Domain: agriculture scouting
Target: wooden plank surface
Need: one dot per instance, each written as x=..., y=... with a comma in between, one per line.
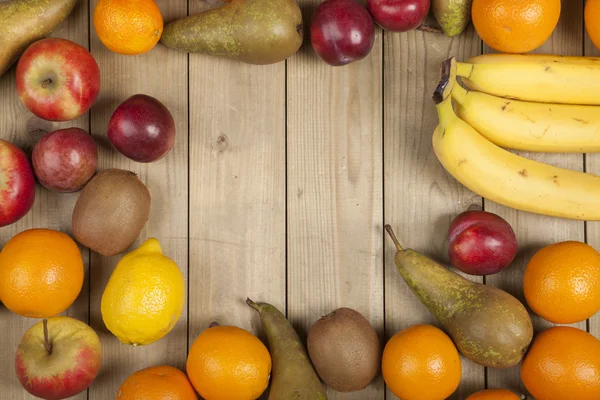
x=237, y=190
x=50, y=210
x=162, y=74
x=334, y=186
x=421, y=199
x=535, y=231
x=281, y=180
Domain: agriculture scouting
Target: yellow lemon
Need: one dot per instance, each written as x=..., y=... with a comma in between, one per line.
x=144, y=296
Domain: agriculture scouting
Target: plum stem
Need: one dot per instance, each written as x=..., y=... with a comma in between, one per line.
x=475, y=207
x=47, y=343
x=390, y=232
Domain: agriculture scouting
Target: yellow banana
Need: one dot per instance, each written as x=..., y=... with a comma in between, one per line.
x=521, y=125
x=504, y=177
x=532, y=77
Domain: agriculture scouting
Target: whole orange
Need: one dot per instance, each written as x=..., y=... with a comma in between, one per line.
x=562, y=282
x=515, y=26
x=128, y=26
x=494, y=394
x=41, y=273
x=421, y=363
x=563, y=363
x=592, y=21
x=157, y=383
x=228, y=363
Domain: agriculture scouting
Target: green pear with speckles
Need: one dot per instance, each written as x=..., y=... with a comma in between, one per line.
x=293, y=376
x=452, y=15
x=252, y=31
x=489, y=326
x=23, y=22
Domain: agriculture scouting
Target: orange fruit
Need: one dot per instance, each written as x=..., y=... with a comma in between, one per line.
x=592, y=21
x=41, y=273
x=228, y=363
x=515, y=26
x=128, y=26
x=157, y=383
x=563, y=363
x=421, y=363
x=562, y=282
x=494, y=394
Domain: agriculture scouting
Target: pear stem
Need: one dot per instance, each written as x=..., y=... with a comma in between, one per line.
x=253, y=304
x=390, y=232
x=47, y=343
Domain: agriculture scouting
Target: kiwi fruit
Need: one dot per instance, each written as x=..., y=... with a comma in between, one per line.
x=345, y=350
x=111, y=211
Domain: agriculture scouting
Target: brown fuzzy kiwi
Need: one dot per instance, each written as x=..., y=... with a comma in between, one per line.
x=111, y=211
x=345, y=350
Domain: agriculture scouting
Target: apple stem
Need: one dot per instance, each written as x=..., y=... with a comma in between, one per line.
x=46, y=339
x=46, y=83
x=390, y=232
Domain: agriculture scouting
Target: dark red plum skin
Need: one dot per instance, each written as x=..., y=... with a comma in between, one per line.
x=481, y=243
x=65, y=160
x=399, y=15
x=342, y=31
x=142, y=129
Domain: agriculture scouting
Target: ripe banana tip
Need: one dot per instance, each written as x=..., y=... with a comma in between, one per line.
x=447, y=81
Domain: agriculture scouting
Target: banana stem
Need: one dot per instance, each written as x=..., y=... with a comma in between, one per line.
x=447, y=81
x=390, y=232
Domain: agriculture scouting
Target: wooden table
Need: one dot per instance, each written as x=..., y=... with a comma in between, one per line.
x=278, y=187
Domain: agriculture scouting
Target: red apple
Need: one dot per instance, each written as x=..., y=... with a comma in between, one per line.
x=58, y=360
x=65, y=160
x=399, y=15
x=57, y=80
x=17, y=184
x=142, y=129
x=481, y=243
x=342, y=31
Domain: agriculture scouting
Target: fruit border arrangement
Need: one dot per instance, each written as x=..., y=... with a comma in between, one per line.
x=491, y=102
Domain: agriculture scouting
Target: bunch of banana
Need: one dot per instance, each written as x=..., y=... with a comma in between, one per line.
x=497, y=174
x=539, y=103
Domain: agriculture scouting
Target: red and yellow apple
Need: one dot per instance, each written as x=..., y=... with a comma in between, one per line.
x=65, y=160
x=58, y=360
x=17, y=184
x=57, y=79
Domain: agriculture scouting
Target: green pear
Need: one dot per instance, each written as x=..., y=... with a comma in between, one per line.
x=489, y=326
x=293, y=376
x=23, y=22
x=452, y=15
x=252, y=31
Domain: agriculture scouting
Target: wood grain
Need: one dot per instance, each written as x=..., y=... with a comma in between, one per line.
x=421, y=199
x=237, y=190
x=535, y=231
x=160, y=73
x=280, y=181
x=334, y=186
x=50, y=210
x=592, y=165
